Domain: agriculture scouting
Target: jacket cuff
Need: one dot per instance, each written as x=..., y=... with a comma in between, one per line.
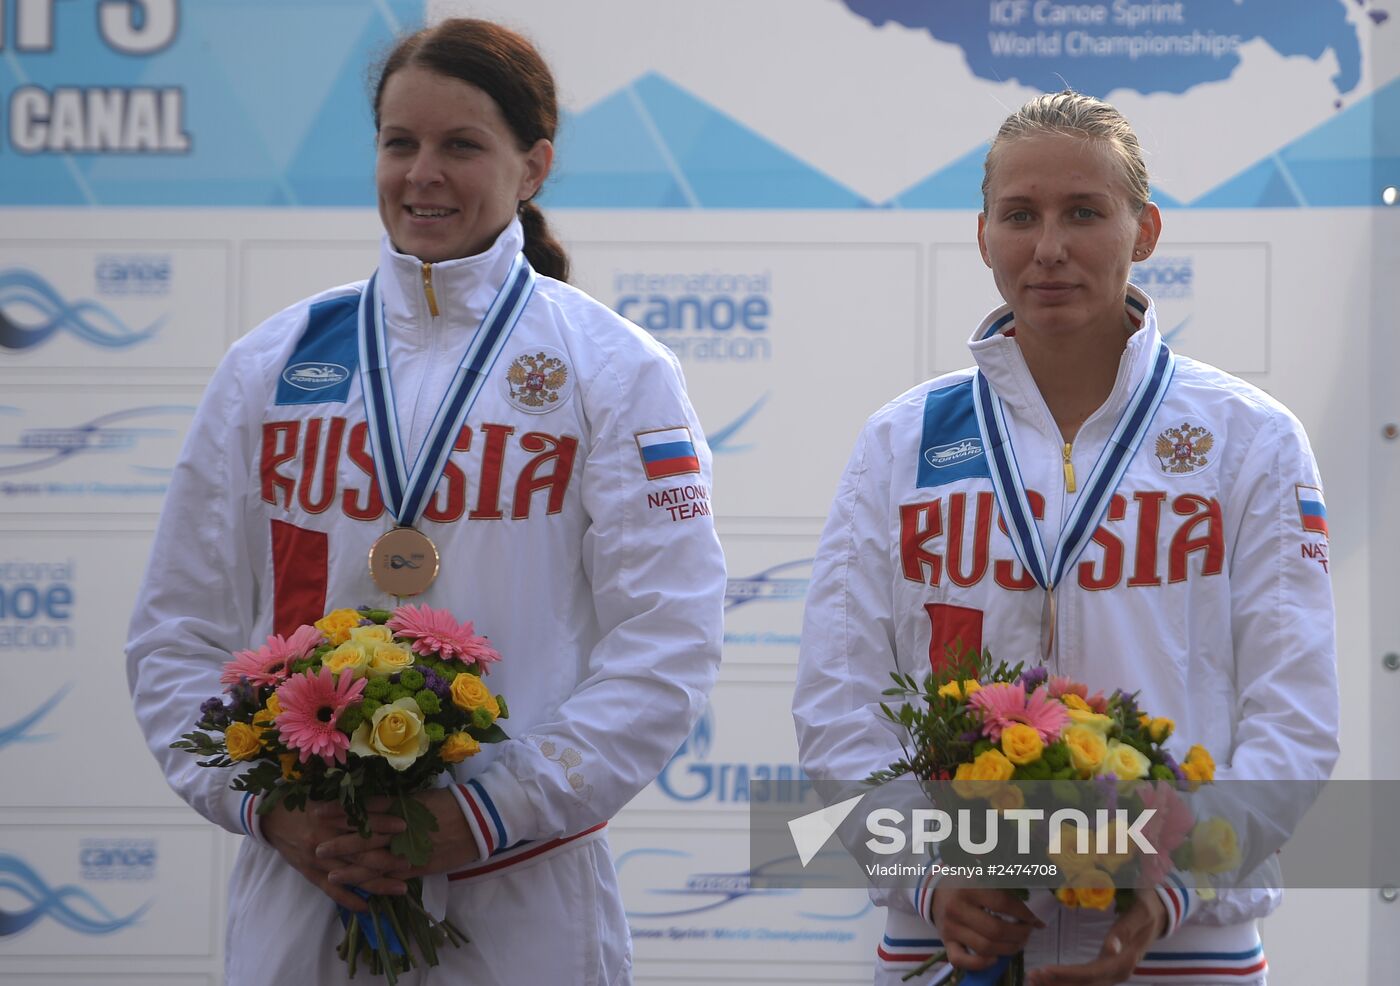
x=249, y=821
x=1178, y=900
x=923, y=894
x=496, y=810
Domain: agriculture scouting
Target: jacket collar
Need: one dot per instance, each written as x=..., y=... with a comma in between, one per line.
x=1001, y=362
x=462, y=289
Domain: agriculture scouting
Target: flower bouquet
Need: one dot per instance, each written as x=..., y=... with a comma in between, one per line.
x=991, y=731
x=364, y=704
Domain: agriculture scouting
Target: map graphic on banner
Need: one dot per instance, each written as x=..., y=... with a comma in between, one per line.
x=1145, y=47
x=207, y=104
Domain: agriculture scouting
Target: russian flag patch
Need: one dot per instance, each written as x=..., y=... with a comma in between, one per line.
x=667, y=452
x=1312, y=510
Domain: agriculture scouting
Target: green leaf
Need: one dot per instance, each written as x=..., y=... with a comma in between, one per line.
x=491, y=734
x=414, y=843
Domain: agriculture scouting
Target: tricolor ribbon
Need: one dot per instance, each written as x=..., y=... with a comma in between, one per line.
x=406, y=493
x=1083, y=518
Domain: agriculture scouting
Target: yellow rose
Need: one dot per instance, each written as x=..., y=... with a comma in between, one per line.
x=387, y=659
x=1112, y=859
x=375, y=633
x=1091, y=720
x=991, y=765
x=470, y=694
x=1199, y=758
x=290, y=770
x=1215, y=847
x=457, y=747
x=349, y=656
x=1006, y=796
x=242, y=741
x=960, y=690
x=1072, y=701
x=1124, y=762
x=1087, y=749
x=1067, y=896
x=1068, y=857
x=1021, y=744
x=395, y=732
x=1160, y=728
x=1093, y=888
x=262, y=722
x=337, y=623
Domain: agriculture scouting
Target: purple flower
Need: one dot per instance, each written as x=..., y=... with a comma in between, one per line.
x=1034, y=677
x=971, y=737
x=214, y=713
x=1174, y=767
x=435, y=684
x=1108, y=790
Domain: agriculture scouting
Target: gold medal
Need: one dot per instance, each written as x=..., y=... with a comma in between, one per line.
x=403, y=562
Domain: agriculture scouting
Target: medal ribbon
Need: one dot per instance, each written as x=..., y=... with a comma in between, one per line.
x=1079, y=526
x=406, y=493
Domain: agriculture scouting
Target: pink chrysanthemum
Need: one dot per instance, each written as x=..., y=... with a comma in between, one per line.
x=311, y=706
x=1003, y=704
x=436, y=631
x=271, y=662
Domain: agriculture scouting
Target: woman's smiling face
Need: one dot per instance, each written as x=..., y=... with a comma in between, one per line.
x=449, y=171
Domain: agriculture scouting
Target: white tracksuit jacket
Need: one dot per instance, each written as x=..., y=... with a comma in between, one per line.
x=1202, y=588
x=598, y=578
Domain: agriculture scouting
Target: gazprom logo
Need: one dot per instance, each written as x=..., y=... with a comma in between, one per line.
x=315, y=376
x=688, y=776
x=943, y=456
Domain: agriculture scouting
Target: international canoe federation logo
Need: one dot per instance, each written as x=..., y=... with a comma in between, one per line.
x=32, y=311
x=1184, y=450
x=69, y=905
x=22, y=729
x=315, y=376
x=115, y=433
x=538, y=381
x=782, y=583
x=943, y=456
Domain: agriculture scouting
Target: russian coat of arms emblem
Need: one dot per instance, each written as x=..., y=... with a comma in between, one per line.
x=1185, y=449
x=535, y=380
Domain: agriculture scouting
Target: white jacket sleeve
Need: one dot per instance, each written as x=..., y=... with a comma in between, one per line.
x=658, y=583
x=198, y=598
x=848, y=652
x=1283, y=634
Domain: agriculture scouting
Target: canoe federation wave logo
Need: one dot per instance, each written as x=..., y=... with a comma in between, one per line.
x=32, y=312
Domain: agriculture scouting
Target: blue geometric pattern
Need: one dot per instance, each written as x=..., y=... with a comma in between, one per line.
x=274, y=102
x=653, y=145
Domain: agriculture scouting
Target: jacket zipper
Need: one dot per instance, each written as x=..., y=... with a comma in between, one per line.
x=428, y=289
x=1069, y=468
